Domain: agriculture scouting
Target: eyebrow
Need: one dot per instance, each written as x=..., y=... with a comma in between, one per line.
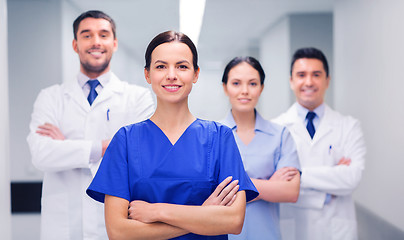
x=88, y=30
x=164, y=62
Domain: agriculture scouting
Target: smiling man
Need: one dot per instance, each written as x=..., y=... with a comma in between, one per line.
x=331, y=150
x=72, y=125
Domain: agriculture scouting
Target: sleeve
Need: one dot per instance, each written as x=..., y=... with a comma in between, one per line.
x=288, y=156
x=112, y=175
x=232, y=165
x=49, y=154
x=340, y=179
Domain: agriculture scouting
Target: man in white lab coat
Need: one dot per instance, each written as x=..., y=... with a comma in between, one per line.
x=331, y=150
x=72, y=125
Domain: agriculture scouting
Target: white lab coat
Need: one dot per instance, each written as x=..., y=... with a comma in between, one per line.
x=310, y=218
x=67, y=212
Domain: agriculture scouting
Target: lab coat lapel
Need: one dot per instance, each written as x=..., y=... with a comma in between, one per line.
x=294, y=124
x=325, y=126
x=73, y=90
x=114, y=86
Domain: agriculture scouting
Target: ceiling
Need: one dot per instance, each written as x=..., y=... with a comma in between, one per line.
x=229, y=26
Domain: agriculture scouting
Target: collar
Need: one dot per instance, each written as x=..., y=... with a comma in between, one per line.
x=302, y=111
x=261, y=125
x=104, y=79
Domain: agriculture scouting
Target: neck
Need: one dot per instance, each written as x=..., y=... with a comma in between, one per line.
x=244, y=120
x=93, y=75
x=172, y=116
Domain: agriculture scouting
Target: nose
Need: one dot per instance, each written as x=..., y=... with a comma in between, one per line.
x=244, y=89
x=96, y=40
x=171, y=74
x=308, y=81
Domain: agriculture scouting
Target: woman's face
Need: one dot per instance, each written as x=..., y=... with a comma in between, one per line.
x=171, y=72
x=243, y=87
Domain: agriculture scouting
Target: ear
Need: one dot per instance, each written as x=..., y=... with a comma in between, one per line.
x=290, y=83
x=196, y=76
x=74, y=44
x=147, y=76
x=115, y=44
x=225, y=88
x=328, y=80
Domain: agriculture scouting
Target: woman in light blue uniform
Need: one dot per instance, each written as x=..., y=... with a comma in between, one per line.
x=267, y=149
x=164, y=168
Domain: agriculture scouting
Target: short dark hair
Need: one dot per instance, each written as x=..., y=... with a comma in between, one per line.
x=310, y=52
x=237, y=60
x=93, y=14
x=171, y=36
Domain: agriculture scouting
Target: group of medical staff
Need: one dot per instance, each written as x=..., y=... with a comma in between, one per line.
x=165, y=173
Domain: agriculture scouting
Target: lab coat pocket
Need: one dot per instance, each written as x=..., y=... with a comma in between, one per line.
x=343, y=229
x=335, y=154
x=115, y=120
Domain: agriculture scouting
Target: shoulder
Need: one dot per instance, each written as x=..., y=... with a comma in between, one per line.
x=216, y=127
x=287, y=117
x=338, y=118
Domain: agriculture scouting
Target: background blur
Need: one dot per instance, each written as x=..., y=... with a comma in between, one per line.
x=362, y=39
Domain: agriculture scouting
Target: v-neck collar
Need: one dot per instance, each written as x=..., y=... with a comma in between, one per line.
x=165, y=136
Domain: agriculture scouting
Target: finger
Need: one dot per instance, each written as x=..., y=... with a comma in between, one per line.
x=228, y=197
x=231, y=201
x=222, y=185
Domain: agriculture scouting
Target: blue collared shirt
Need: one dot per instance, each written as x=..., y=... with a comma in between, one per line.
x=82, y=80
x=319, y=111
x=271, y=148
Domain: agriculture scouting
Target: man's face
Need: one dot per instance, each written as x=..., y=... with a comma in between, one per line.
x=309, y=82
x=95, y=45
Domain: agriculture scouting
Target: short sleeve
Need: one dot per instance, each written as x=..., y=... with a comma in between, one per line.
x=230, y=163
x=112, y=175
x=288, y=152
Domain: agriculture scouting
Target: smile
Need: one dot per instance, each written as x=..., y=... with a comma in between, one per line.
x=172, y=88
x=244, y=100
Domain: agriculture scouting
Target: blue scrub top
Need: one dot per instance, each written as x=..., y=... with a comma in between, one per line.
x=272, y=148
x=142, y=164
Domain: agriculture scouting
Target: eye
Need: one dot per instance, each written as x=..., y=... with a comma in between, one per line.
x=253, y=84
x=161, y=66
x=300, y=75
x=86, y=36
x=182, y=66
x=235, y=83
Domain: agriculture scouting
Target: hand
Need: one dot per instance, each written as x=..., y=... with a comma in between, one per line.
x=105, y=144
x=224, y=194
x=51, y=131
x=284, y=174
x=141, y=211
x=344, y=161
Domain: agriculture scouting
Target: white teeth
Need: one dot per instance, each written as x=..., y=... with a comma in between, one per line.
x=172, y=87
x=96, y=53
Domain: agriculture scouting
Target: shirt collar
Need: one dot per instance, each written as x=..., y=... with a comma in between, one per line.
x=103, y=79
x=302, y=111
x=260, y=123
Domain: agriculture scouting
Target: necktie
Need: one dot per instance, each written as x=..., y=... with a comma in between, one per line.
x=310, y=127
x=93, y=94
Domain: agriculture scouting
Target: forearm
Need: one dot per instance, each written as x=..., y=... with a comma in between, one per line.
x=336, y=180
x=120, y=227
x=57, y=155
x=205, y=220
x=278, y=190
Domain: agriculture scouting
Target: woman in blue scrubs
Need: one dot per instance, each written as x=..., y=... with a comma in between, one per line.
x=267, y=149
x=164, y=168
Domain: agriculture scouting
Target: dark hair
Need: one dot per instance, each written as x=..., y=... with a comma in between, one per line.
x=93, y=14
x=309, y=53
x=237, y=60
x=171, y=36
